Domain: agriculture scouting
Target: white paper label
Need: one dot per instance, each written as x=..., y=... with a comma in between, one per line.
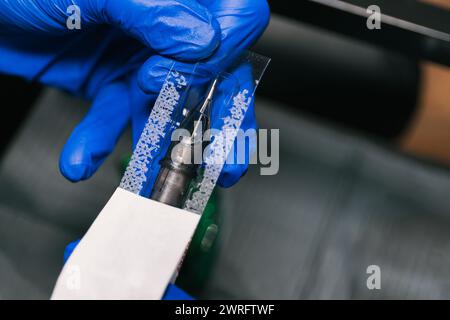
x=131, y=251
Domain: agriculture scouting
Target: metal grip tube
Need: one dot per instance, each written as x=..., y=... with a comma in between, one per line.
x=172, y=183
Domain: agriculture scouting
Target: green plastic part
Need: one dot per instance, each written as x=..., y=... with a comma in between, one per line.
x=202, y=251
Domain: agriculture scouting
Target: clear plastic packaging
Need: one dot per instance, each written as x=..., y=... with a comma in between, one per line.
x=190, y=131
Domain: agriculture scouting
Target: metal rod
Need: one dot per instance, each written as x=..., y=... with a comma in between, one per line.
x=410, y=27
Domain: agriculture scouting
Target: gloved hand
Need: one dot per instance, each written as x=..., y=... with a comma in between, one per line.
x=103, y=61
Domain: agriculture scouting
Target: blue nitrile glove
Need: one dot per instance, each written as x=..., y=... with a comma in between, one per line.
x=101, y=61
x=172, y=291
x=242, y=22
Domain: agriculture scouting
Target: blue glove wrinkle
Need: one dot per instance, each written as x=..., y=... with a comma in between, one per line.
x=42, y=16
x=83, y=64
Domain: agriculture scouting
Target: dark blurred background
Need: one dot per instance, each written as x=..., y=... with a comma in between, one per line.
x=364, y=123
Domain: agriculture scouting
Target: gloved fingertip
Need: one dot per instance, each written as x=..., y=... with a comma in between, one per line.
x=231, y=174
x=75, y=172
x=175, y=293
x=69, y=249
x=152, y=74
